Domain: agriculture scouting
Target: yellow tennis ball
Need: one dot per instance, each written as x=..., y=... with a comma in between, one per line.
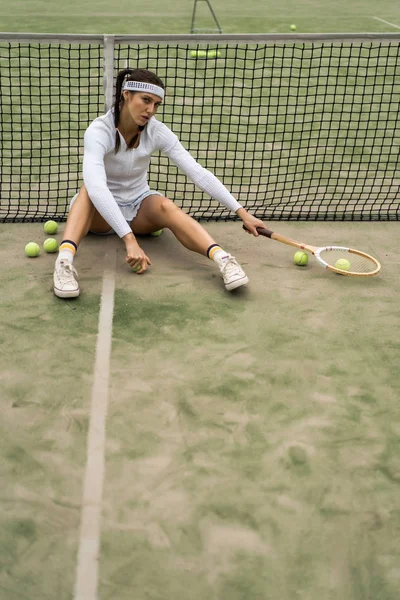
x=213, y=54
x=137, y=268
x=293, y=27
x=198, y=53
x=50, y=245
x=343, y=264
x=32, y=249
x=156, y=233
x=50, y=227
x=300, y=258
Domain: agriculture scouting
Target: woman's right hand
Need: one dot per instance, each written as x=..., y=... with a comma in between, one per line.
x=136, y=257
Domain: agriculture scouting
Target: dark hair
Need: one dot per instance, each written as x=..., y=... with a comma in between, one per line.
x=122, y=77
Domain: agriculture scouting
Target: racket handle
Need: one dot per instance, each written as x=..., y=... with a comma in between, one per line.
x=262, y=231
x=284, y=240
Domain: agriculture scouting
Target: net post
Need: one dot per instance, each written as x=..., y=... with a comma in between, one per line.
x=108, y=65
x=193, y=29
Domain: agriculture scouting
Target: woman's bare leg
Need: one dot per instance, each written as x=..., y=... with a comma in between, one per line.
x=158, y=212
x=83, y=217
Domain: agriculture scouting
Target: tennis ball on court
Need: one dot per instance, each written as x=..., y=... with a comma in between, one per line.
x=137, y=268
x=293, y=27
x=300, y=258
x=32, y=249
x=343, y=264
x=50, y=227
x=156, y=233
x=50, y=245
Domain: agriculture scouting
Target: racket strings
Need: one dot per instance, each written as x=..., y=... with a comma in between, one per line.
x=352, y=261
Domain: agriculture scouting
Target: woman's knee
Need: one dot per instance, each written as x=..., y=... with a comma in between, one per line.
x=167, y=208
x=156, y=212
x=161, y=205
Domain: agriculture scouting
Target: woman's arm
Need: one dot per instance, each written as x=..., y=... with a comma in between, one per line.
x=201, y=177
x=204, y=179
x=95, y=179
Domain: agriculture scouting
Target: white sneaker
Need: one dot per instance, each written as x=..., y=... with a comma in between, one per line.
x=65, y=280
x=232, y=273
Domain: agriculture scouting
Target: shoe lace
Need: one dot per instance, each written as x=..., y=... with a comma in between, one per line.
x=230, y=267
x=67, y=272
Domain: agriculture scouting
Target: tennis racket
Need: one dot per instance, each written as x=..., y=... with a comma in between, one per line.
x=355, y=263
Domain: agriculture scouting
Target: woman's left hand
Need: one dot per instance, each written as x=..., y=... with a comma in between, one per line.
x=251, y=223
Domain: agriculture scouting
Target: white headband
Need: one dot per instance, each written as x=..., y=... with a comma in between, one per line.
x=142, y=86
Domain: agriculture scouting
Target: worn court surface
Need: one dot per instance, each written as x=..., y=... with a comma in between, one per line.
x=252, y=438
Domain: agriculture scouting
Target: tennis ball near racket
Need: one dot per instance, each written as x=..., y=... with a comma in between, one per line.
x=293, y=27
x=301, y=258
x=156, y=233
x=50, y=227
x=343, y=264
x=32, y=249
x=50, y=245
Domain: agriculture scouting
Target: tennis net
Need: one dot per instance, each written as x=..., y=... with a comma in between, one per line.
x=298, y=127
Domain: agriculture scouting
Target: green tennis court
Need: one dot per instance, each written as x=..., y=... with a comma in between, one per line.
x=202, y=444
x=251, y=444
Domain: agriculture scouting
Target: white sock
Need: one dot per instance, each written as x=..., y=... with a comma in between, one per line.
x=67, y=251
x=66, y=255
x=218, y=255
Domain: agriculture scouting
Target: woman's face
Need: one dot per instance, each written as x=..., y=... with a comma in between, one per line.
x=141, y=106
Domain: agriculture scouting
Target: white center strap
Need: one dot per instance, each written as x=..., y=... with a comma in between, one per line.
x=142, y=86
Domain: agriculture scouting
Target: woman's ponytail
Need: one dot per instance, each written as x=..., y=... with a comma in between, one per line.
x=122, y=75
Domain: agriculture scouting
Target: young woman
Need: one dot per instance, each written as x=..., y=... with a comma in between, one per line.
x=116, y=197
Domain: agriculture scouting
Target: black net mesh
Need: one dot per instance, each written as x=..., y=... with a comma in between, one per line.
x=48, y=96
x=295, y=130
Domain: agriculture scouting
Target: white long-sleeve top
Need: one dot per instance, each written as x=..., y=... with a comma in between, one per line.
x=116, y=179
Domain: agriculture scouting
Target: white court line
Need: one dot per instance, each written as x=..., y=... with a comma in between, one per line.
x=387, y=22
x=89, y=543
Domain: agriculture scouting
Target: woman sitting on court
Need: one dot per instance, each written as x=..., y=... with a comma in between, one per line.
x=116, y=197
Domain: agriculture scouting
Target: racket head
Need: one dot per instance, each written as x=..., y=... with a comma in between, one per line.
x=358, y=264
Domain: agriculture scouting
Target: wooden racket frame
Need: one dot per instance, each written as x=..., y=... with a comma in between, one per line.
x=316, y=251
